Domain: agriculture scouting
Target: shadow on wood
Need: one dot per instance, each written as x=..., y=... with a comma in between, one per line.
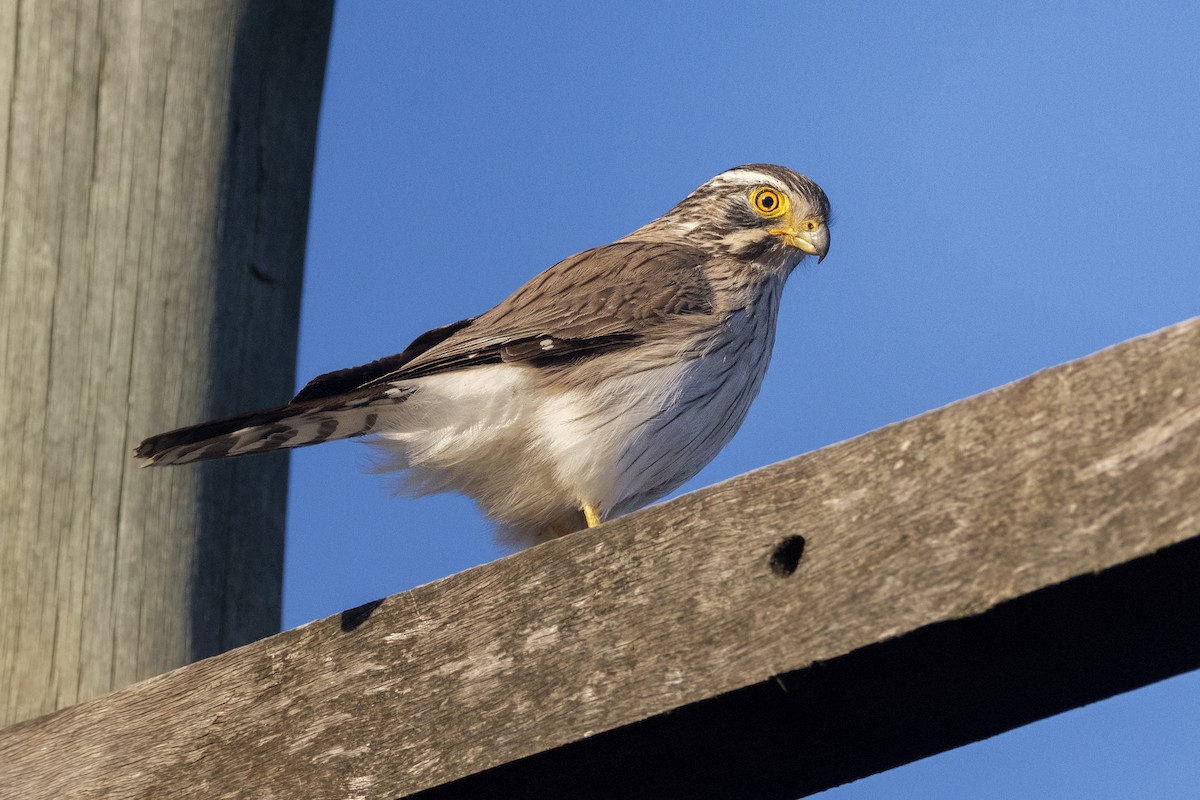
x=887, y=704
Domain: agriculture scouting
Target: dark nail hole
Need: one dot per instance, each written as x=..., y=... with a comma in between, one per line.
x=356, y=616
x=787, y=556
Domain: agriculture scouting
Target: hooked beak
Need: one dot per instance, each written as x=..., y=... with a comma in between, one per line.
x=815, y=242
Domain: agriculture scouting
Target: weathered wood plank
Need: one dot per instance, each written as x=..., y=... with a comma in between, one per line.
x=154, y=198
x=963, y=572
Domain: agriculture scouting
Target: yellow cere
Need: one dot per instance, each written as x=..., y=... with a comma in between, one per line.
x=769, y=202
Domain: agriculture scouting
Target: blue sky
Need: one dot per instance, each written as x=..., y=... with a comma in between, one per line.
x=1014, y=186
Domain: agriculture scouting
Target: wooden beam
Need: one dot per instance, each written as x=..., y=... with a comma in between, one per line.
x=925, y=585
x=155, y=189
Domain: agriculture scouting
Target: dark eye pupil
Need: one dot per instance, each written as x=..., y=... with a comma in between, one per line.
x=767, y=202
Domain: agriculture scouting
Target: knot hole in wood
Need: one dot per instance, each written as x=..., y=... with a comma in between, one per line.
x=786, y=556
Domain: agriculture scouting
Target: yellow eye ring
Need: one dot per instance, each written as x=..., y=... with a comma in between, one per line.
x=769, y=202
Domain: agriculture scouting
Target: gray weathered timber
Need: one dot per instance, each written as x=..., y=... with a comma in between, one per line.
x=153, y=202
x=963, y=572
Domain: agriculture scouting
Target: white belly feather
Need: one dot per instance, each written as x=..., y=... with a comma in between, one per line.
x=618, y=442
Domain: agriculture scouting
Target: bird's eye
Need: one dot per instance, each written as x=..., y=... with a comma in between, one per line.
x=768, y=202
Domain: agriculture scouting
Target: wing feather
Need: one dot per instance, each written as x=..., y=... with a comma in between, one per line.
x=596, y=301
x=347, y=380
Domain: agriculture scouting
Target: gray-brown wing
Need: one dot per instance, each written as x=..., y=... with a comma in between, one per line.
x=341, y=381
x=598, y=300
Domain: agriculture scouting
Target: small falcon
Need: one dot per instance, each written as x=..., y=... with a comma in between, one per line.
x=599, y=386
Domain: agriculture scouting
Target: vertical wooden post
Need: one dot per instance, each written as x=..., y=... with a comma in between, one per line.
x=155, y=169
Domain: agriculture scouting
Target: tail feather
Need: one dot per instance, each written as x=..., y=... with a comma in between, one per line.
x=270, y=429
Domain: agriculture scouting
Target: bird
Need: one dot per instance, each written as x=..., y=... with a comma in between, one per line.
x=596, y=388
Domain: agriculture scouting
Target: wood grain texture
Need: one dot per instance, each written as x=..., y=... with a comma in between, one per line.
x=154, y=189
x=962, y=572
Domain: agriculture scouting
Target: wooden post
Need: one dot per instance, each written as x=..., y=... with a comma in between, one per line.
x=923, y=586
x=154, y=194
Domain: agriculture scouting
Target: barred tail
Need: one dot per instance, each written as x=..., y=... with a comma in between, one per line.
x=268, y=430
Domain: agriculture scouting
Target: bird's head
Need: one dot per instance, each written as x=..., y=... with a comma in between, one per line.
x=757, y=213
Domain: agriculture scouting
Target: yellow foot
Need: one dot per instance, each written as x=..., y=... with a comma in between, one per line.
x=592, y=515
